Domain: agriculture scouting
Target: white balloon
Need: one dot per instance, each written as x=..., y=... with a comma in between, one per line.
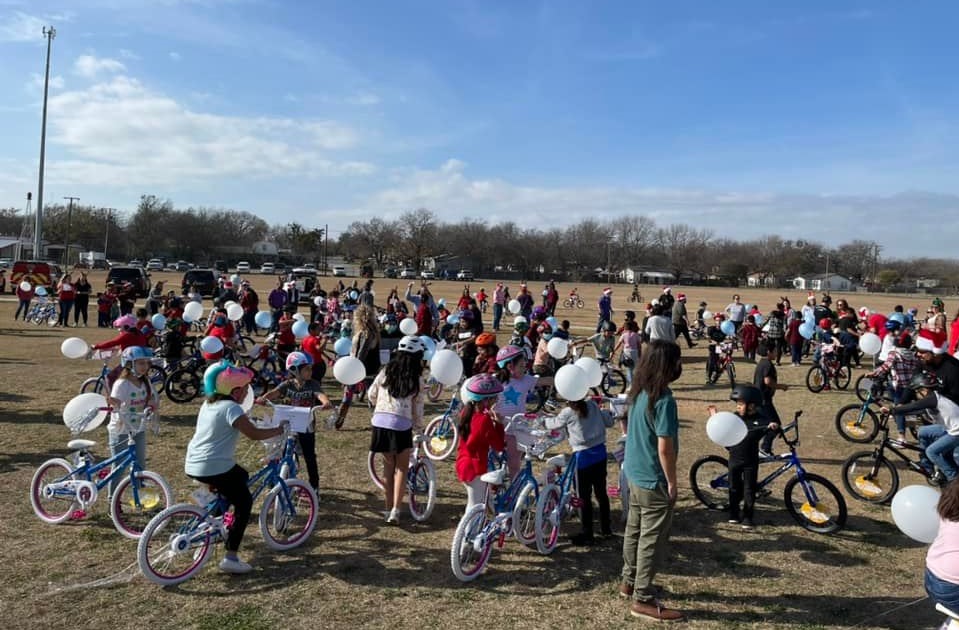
x=234, y=312
x=446, y=367
x=25, y=286
x=557, y=348
x=594, y=371
x=726, y=428
x=74, y=348
x=571, y=382
x=229, y=303
x=318, y=300
x=914, y=512
x=707, y=316
x=514, y=307
x=193, y=310
x=211, y=345
x=248, y=400
x=408, y=326
x=349, y=370
x=870, y=343
x=300, y=317
x=78, y=414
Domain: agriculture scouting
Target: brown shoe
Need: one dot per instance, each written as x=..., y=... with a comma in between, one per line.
x=655, y=611
x=626, y=590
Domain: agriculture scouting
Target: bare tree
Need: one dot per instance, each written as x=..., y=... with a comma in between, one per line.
x=419, y=229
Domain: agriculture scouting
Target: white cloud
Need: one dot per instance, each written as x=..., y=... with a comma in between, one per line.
x=21, y=27
x=89, y=66
x=120, y=133
x=129, y=54
x=36, y=82
x=175, y=56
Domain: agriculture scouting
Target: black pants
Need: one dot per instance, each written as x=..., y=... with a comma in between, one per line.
x=319, y=370
x=80, y=307
x=308, y=448
x=232, y=485
x=742, y=488
x=591, y=479
x=683, y=329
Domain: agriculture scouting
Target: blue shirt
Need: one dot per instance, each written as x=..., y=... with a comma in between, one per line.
x=212, y=451
x=642, y=464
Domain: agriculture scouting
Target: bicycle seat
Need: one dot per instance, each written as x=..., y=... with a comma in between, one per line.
x=494, y=477
x=557, y=461
x=80, y=445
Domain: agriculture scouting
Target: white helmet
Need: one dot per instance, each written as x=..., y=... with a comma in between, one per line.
x=411, y=344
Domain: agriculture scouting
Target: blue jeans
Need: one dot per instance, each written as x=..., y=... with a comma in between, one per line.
x=940, y=448
x=497, y=315
x=898, y=397
x=943, y=592
x=118, y=444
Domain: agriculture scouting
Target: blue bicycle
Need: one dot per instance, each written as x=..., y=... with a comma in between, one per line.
x=177, y=543
x=441, y=434
x=559, y=498
x=101, y=383
x=61, y=491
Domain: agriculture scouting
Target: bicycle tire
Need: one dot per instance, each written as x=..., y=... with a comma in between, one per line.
x=93, y=384
x=182, y=385
x=441, y=437
x=857, y=423
x=548, y=523
x=864, y=475
x=157, y=376
x=374, y=466
x=828, y=516
x=580, y=303
x=567, y=303
x=466, y=562
x=731, y=373
x=814, y=379
x=536, y=398
x=288, y=517
x=421, y=486
x=52, y=509
x=709, y=479
x=434, y=390
x=524, y=514
x=185, y=524
x=864, y=385
x=842, y=377
x=614, y=382
x=131, y=511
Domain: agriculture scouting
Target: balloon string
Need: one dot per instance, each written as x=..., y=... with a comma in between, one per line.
x=888, y=612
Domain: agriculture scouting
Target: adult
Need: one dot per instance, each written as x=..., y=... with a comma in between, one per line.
x=552, y=298
x=846, y=316
x=499, y=303
x=604, y=308
x=24, y=297
x=659, y=325
x=155, y=298
x=931, y=350
x=250, y=303
x=652, y=445
x=937, y=322
x=81, y=304
x=277, y=300
x=942, y=559
x=366, y=295
x=66, y=295
x=525, y=299
x=421, y=297
x=680, y=319
x=127, y=297
x=666, y=299
x=292, y=295
x=954, y=333
x=736, y=312
x=366, y=348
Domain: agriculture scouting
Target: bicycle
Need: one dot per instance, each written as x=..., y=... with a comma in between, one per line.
x=864, y=386
x=101, y=383
x=177, y=542
x=573, y=301
x=723, y=363
x=635, y=297
x=818, y=505
x=828, y=368
x=185, y=382
x=870, y=476
x=43, y=312
x=61, y=491
x=952, y=618
x=441, y=433
x=614, y=379
x=560, y=496
x=420, y=479
x=859, y=423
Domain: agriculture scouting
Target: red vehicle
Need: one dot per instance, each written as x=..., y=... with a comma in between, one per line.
x=38, y=273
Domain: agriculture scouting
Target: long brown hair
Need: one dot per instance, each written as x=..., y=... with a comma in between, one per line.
x=659, y=365
x=948, y=507
x=579, y=406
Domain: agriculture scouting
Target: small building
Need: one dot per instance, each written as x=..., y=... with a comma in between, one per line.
x=928, y=283
x=762, y=279
x=646, y=276
x=266, y=249
x=823, y=282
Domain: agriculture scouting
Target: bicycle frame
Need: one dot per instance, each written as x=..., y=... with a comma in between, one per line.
x=502, y=503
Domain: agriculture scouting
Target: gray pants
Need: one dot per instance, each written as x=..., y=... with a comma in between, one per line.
x=118, y=444
x=646, y=538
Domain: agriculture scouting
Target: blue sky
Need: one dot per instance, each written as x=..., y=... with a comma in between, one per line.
x=826, y=120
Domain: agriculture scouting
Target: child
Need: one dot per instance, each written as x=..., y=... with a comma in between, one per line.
x=104, y=303
x=750, y=338
x=486, y=350
x=766, y=380
x=366, y=348
x=285, y=339
x=586, y=426
x=313, y=345
x=629, y=340
x=942, y=574
x=300, y=390
x=794, y=339
x=131, y=394
x=716, y=336
x=480, y=431
x=517, y=384
x=519, y=338
x=604, y=343
x=744, y=457
x=939, y=440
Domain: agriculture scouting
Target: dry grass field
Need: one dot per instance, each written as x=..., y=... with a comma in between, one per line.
x=356, y=571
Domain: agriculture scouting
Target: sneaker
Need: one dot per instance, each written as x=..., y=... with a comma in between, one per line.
x=394, y=517
x=938, y=479
x=234, y=565
x=748, y=524
x=655, y=611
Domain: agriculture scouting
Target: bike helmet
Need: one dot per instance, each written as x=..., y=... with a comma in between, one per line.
x=923, y=380
x=703, y=304
x=539, y=313
x=892, y=325
x=609, y=326
x=507, y=354
x=411, y=344
x=825, y=323
x=938, y=303
x=485, y=339
x=465, y=315
x=133, y=353
x=719, y=317
x=747, y=394
x=223, y=377
x=481, y=387
x=125, y=321
x=296, y=360
x=520, y=323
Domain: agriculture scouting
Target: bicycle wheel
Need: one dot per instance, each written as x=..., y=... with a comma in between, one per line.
x=243, y=344
x=536, y=398
x=842, y=377
x=434, y=390
x=92, y=385
x=870, y=478
x=567, y=303
x=134, y=504
x=182, y=386
x=614, y=382
x=175, y=545
x=818, y=506
x=709, y=479
x=524, y=514
x=288, y=515
x=731, y=373
x=374, y=466
x=857, y=423
x=441, y=436
x=548, y=520
x=421, y=484
x=157, y=376
x=49, y=504
x=814, y=379
x=580, y=303
x=466, y=560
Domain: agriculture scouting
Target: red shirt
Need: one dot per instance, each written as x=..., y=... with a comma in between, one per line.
x=313, y=346
x=67, y=291
x=953, y=335
x=878, y=321
x=750, y=336
x=126, y=339
x=224, y=333
x=473, y=453
x=284, y=335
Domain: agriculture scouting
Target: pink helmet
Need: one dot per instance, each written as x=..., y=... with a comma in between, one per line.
x=224, y=377
x=482, y=386
x=125, y=321
x=506, y=355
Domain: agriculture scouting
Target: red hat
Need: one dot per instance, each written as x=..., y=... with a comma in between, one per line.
x=681, y=296
x=666, y=289
x=227, y=285
x=607, y=291
x=932, y=341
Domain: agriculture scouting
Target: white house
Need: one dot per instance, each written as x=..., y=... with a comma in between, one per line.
x=643, y=276
x=823, y=282
x=760, y=279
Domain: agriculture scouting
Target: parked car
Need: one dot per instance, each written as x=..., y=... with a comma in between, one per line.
x=268, y=268
x=154, y=264
x=36, y=272
x=5, y=263
x=136, y=262
x=181, y=265
x=305, y=280
x=427, y=275
x=408, y=274
x=220, y=265
x=464, y=274
x=203, y=279
x=279, y=268
x=101, y=264
x=243, y=267
x=390, y=272
x=137, y=276
x=339, y=270
x=309, y=266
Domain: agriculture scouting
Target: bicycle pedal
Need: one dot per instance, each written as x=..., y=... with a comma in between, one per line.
x=762, y=494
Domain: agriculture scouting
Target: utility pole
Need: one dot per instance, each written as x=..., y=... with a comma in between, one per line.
x=326, y=249
x=66, y=234
x=106, y=236
x=49, y=33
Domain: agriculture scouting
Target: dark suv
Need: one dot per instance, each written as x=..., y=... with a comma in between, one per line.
x=203, y=279
x=137, y=276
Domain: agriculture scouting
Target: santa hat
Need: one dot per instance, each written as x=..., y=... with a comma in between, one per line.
x=607, y=291
x=666, y=289
x=681, y=297
x=864, y=312
x=931, y=341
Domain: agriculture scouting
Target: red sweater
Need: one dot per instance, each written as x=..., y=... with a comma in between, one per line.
x=953, y=335
x=124, y=340
x=472, y=456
